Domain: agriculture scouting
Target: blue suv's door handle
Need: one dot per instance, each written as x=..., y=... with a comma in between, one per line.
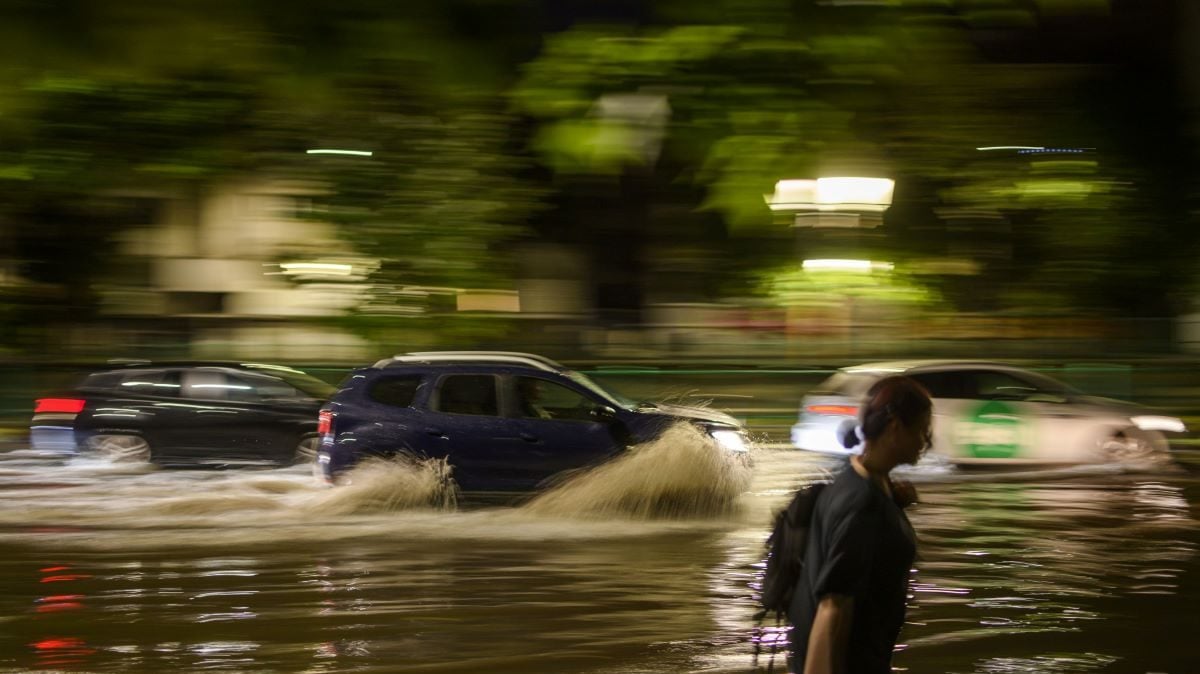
x=436, y=432
x=529, y=437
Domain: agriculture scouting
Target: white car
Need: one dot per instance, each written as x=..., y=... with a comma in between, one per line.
x=989, y=413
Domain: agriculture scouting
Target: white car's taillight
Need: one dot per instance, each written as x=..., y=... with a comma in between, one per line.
x=836, y=410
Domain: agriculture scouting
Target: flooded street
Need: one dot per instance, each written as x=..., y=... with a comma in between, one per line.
x=644, y=567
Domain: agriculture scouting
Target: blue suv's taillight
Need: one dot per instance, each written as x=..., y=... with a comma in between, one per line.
x=325, y=431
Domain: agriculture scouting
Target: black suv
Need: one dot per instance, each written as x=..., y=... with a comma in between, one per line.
x=186, y=413
x=504, y=421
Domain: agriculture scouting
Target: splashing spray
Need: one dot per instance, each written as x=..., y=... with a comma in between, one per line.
x=683, y=474
x=403, y=482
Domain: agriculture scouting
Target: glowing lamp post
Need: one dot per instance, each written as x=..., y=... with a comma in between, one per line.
x=845, y=202
x=833, y=202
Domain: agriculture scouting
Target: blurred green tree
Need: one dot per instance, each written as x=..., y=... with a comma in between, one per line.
x=761, y=90
x=683, y=106
x=100, y=101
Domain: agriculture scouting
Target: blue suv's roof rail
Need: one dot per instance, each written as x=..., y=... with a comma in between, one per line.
x=504, y=357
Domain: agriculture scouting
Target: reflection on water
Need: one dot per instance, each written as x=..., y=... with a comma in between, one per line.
x=108, y=568
x=1050, y=572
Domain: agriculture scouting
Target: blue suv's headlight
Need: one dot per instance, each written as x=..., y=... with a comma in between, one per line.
x=732, y=441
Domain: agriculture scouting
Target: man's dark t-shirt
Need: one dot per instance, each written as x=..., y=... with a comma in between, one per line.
x=860, y=545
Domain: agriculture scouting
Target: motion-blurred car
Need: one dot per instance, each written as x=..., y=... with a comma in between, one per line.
x=504, y=421
x=987, y=413
x=186, y=413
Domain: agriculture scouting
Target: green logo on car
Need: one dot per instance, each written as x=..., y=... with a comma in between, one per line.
x=992, y=431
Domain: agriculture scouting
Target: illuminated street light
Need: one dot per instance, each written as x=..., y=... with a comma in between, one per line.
x=861, y=266
x=833, y=194
x=833, y=202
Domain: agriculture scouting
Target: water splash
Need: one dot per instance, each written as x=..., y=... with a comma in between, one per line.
x=386, y=485
x=682, y=474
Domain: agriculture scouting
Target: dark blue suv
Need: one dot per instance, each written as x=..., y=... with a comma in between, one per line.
x=504, y=421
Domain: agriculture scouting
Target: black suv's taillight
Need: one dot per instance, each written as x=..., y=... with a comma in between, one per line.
x=325, y=422
x=58, y=406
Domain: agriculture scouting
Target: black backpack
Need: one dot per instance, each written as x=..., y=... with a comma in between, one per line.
x=785, y=552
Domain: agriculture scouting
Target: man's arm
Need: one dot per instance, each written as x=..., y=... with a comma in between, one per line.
x=830, y=635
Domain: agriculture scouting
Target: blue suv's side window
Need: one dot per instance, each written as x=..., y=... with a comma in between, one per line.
x=542, y=399
x=395, y=391
x=468, y=394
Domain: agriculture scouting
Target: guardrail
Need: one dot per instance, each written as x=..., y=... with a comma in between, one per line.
x=767, y=398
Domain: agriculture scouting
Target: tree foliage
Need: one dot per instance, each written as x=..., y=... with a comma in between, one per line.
x=464, y=103
x=171, y=99
x=764, y=90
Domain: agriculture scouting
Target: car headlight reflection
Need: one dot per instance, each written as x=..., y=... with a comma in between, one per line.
x=732, y=441
x=1150, y=422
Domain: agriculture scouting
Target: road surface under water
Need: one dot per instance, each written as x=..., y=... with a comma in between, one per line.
x=647, y=566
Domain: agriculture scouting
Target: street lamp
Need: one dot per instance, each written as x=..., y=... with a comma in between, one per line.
x=833, y=202
x=862, y=266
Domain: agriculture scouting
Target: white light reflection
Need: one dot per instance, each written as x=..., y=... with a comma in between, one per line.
x=244, y=573
x=128, y=650
x=226, y=593
x=121, y=412
x=219, y=647
x=225, y=617
x=351, y=153
x=1057, y=662
x=930, y=588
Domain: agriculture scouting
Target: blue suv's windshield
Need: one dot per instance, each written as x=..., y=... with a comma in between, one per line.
x=586, y=382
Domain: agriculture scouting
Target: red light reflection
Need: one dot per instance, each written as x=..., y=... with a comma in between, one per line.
x=59, y=651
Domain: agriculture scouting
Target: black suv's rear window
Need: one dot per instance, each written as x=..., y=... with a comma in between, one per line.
x=394, y=391
x=139, y=382
x=102, y=381
x=305, y=383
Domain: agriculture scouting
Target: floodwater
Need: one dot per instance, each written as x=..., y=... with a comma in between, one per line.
x=643, y=566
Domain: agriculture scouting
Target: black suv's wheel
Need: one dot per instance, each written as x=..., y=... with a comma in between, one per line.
x=120, y=447
x=306, y=449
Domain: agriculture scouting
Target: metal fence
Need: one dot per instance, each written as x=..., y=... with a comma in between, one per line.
x=765, y=395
